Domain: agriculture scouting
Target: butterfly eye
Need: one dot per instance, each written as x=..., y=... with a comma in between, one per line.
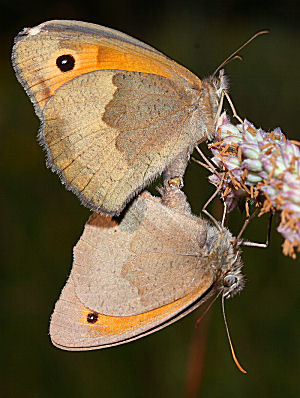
x=229, y=281
x=92, y=317
x=65, y=62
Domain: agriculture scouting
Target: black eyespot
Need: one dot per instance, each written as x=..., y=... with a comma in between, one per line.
x=92, y=317
x=65, y=62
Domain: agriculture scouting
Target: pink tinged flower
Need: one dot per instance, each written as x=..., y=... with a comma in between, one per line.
x=253, y=178
x=270, y=191
x=252, y=165
x=269, y=164
x=231, y=163
x=250, y=150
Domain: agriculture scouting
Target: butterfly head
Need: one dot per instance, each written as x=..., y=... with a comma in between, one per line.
x=212, y=92
x=233, y=282
x=219, y=83
x=224, y=255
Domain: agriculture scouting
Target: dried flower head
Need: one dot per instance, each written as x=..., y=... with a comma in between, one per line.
x=262, y=166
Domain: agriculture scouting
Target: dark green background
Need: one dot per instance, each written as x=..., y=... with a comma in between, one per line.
x=41, y=221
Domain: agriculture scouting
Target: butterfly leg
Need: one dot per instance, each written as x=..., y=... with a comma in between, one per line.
x=257, y=244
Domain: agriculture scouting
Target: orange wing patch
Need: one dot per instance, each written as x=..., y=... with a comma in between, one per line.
x=109, y=58
x=91, y=59
x=75, y=327
x=117, y=325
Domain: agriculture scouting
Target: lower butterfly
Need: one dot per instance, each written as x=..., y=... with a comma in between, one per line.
x=133, y=278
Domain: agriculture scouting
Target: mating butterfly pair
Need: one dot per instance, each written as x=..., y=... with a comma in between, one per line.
x=115, y=113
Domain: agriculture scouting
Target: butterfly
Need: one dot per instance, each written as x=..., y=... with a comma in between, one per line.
x=115, y=112
x=134, y=277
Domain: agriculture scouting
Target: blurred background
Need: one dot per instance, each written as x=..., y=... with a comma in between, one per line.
x=41, y=221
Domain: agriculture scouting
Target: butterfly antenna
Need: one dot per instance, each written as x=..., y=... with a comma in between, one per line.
x=227, y=60
x=235, y=55
x=239, y=366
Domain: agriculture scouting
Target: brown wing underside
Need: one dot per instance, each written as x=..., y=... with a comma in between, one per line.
x=70, y=329
x=108, y=133
x=151, y=259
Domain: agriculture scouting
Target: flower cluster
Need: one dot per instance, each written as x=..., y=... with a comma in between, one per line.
x=262, y=166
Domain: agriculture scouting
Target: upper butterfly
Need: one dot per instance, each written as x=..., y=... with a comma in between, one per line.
x=114, y=111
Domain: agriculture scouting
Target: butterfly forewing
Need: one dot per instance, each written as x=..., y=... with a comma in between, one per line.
x=114, y=112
